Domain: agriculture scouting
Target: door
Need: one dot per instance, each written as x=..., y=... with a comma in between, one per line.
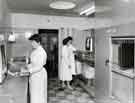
x=49, y=42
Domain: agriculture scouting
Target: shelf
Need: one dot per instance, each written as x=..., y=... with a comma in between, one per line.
x=127, y=73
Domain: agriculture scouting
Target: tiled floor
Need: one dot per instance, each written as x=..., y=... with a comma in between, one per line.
x=57, y=95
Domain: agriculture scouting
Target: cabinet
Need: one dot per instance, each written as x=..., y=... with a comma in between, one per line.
x=122, y=65
x=123, y=88
x=14, y=90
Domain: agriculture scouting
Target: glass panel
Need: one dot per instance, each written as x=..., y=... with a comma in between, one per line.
x=123, y=54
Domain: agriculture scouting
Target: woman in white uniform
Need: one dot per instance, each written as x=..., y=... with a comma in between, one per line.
x=38, y=74
x=65, y=73
x=72, y=56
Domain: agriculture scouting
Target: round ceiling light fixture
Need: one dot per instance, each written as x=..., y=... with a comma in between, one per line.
x=63, y=5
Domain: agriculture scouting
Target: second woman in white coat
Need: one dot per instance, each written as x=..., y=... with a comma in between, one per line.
x=65, y=74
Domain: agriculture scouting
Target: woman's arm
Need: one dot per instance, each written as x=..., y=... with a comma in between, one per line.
x=16, y=74
x=65, y=56
x=33, y=68
x=37, y=63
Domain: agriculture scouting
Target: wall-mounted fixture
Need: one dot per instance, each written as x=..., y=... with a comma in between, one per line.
x=28, y=34
x=89, y=44
x=88, y=11
x=11, y=37
x=111, y=30
x=63, y=5
x=1, y=37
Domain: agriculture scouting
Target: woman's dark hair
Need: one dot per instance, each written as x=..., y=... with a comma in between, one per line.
x=36, y=37
x=65, y=41
x=70, y=38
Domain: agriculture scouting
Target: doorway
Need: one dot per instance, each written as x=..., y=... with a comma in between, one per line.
x=49, y=41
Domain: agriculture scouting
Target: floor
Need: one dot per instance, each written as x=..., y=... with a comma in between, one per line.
x=10, y=93
x=59, y=95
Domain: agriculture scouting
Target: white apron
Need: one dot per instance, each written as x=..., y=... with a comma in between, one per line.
x=65, y=73
x=72, y=59
x=38, y=79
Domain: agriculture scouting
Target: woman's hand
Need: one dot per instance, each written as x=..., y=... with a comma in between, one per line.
x=16, y=74
x=24, y=71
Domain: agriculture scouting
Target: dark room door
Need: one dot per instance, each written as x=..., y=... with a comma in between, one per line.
x=50, y=44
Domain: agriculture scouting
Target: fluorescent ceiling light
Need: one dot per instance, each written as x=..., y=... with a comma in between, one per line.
x=126, y=0
x=88, y=11
x=62, y=5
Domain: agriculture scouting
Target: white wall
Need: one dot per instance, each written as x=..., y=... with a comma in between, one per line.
x=4, y=14
x=20, y=20
x=34, y=21
x=79, y=39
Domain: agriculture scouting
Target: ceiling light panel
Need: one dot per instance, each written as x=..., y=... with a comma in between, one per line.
x=88, y=10
x=62, y=5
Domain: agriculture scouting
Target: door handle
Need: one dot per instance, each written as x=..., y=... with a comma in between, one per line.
x=107, y=62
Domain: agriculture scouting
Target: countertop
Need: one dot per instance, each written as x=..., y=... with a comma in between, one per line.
x=85, y=57
x=14, y=90
x=127, y=73
x=87, y=61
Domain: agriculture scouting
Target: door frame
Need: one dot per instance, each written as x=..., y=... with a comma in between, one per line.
x=110, y=65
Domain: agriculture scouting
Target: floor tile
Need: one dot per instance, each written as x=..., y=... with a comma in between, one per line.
x=59, y=95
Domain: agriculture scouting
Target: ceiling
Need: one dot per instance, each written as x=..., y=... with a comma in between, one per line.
x=42, y=7
x=114, y=11
x=116, y=8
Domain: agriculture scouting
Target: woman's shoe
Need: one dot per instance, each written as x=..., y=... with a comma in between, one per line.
x=63, y=86
x=69, y=87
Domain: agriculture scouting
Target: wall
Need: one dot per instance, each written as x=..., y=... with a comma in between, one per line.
x=20, y=20
x=5, y=20
x=21, y=47
x=79, y=38
x=34, y=21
